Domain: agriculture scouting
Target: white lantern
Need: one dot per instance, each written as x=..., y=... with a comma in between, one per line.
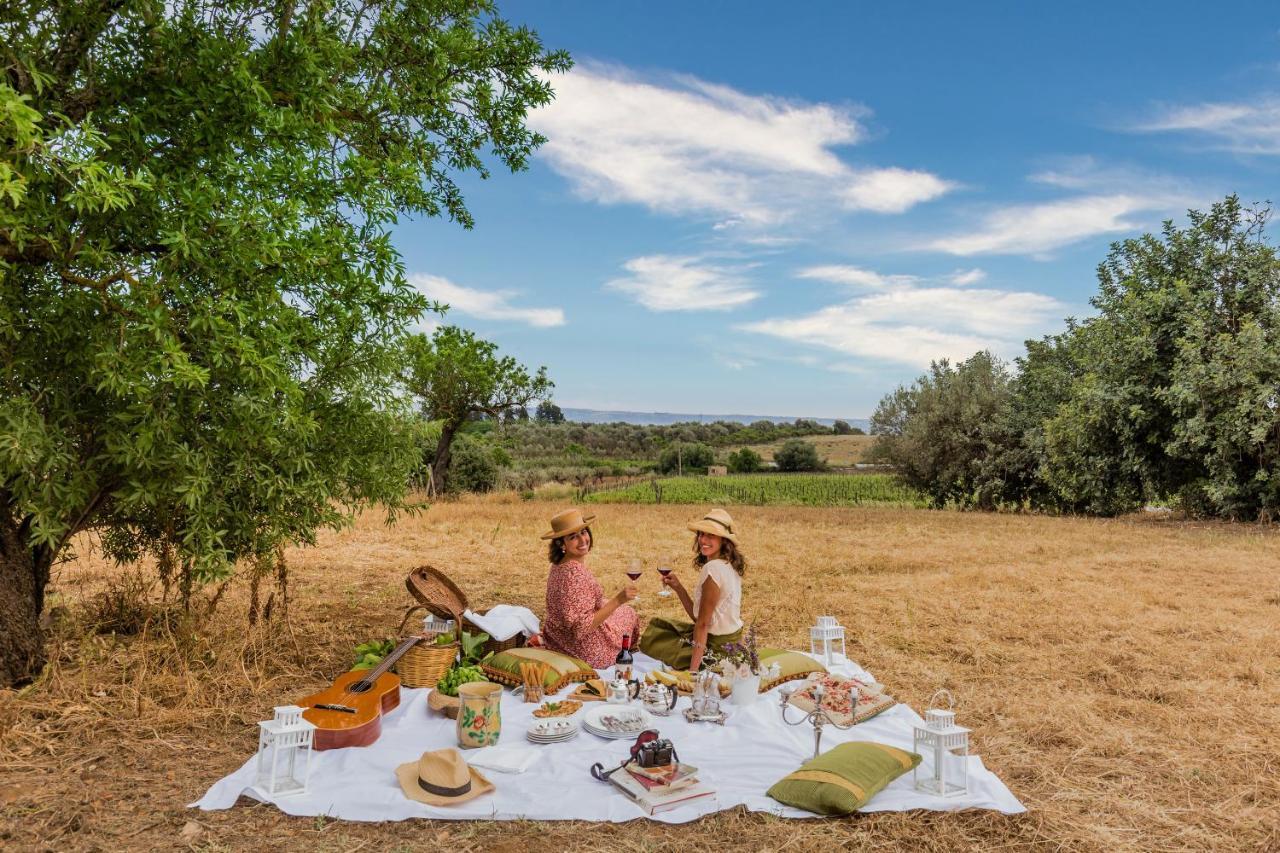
x=284, y=752
x=826, y=632
x=945, y=746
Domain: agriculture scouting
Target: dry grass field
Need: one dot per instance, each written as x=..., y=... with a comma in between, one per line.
x=840, y=451
x=1120, y=676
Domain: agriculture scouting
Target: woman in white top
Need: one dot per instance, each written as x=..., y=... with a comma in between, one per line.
x=715, y=605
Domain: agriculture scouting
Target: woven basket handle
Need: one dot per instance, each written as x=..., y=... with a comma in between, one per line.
x=407, y=614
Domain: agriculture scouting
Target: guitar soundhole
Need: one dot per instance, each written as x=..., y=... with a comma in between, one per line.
x=360, y=687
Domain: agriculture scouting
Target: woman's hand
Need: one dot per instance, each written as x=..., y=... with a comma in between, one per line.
x=627, y=593
x=674, y=582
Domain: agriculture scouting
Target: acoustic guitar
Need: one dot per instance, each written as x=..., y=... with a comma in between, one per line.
x=349, y=712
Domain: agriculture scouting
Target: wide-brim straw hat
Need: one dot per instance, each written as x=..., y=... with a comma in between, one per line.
x=441, y=778
x=716, y=522
x=567, y=522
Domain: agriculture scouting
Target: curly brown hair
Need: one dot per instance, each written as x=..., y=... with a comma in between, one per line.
x=555, y=550
x=728, y=552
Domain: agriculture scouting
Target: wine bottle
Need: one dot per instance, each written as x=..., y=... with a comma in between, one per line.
x=622, y=664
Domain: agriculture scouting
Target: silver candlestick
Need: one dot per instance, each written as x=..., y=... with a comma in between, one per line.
x=818, y=716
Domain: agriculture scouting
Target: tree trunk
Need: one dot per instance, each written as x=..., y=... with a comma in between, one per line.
x=24, y=571
x=440, y=466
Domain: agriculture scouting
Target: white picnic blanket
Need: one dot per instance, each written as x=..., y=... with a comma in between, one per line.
x=740, y=759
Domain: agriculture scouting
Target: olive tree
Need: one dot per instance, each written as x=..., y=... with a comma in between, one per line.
x=456, y=376
x=201, y=310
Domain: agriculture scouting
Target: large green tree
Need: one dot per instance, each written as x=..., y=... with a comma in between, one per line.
x=201, y=311
x=456, y=376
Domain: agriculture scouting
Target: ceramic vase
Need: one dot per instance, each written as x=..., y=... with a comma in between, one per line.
x=479, y=714
x=746, y=690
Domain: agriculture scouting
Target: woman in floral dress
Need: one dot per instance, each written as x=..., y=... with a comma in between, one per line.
x=580, y=620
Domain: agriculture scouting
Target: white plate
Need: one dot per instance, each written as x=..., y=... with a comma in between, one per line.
x=553, y=727
x=595, y=722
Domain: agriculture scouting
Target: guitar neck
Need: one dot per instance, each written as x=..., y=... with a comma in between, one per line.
x=390, y=660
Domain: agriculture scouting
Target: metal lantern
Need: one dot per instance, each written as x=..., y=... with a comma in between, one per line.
x=944, y=745
x=284, y=752
x=826, y=632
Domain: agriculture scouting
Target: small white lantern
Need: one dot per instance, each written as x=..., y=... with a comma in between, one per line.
x=284, y=752
x=946, y=746
x=826, y=632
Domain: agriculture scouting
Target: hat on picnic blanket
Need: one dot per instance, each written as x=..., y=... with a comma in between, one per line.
x=569, y=521
x=441, y=778
x=716, y=522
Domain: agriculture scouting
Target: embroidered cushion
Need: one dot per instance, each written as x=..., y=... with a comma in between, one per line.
x=793, y=664
x=562, y=669
x=844, y=779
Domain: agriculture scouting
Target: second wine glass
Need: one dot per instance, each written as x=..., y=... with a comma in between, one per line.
x=665, y=592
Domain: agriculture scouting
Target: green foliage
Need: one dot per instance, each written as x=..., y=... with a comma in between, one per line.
x=1170, y=391
x=548, y=413
x=796, y=454
x=686, y=456
x=841, y=428
x=745, y=461
x=456, y=375
x=471, y=646
x=769, y=490
x=935, y=431
x=370, y=654
x=202, y=314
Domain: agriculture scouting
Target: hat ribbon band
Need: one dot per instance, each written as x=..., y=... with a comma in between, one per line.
x=728, y=527
x=441, y=791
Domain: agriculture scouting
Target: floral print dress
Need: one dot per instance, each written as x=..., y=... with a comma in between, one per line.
x=573, y=597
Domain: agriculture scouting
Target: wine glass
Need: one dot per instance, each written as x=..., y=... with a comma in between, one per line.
x=665, y=592
x=634, y=569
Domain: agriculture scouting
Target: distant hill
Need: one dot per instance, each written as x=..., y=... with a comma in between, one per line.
x=597, y=416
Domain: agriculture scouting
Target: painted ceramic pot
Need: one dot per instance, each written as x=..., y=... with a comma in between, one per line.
x=479, y=714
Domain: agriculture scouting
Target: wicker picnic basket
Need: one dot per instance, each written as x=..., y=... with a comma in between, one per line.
x=425, y=663
x=438, y=594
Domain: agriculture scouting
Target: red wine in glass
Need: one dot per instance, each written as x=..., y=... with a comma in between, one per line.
x=664, y=571
x=634, y=570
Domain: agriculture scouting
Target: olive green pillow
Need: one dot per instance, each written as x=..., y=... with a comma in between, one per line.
x=842, y=780
x=793, y=664
x=504, y=667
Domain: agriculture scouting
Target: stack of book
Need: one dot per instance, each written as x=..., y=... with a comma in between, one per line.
x=658, y=789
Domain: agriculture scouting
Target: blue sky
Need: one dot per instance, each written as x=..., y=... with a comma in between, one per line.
x=749, y=209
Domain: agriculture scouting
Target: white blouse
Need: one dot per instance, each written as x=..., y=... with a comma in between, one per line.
x=727, y=617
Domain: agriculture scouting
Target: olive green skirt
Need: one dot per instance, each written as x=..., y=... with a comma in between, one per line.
x=671, y=642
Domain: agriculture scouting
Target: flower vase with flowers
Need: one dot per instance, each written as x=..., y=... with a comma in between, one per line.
x=739, y=663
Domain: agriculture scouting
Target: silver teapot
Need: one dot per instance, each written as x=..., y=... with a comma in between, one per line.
x=658, y=699
x=620, y=691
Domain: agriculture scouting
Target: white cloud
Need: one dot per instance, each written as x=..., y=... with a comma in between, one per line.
x=1029, y=229
x=673, y=283
x=688, y=147
x=842, y=274
x=1244, y=128
x=909, y=323
x=892, y=190
x=964, y=278
x=485, y=304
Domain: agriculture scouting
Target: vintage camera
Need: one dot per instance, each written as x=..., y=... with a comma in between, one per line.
x=655, y=753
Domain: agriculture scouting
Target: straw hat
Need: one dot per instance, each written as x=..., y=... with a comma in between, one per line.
x=569, y=521
x=441, y=778
x=716, y=522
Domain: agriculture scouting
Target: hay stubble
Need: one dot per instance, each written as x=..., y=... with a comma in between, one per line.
x=1120, y=676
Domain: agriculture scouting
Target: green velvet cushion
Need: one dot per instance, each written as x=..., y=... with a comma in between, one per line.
x=842, y=780
x=504, y=667
x=794, y=665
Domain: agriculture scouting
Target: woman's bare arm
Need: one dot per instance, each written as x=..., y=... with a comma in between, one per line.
x=706, y=607
x=624, y=595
